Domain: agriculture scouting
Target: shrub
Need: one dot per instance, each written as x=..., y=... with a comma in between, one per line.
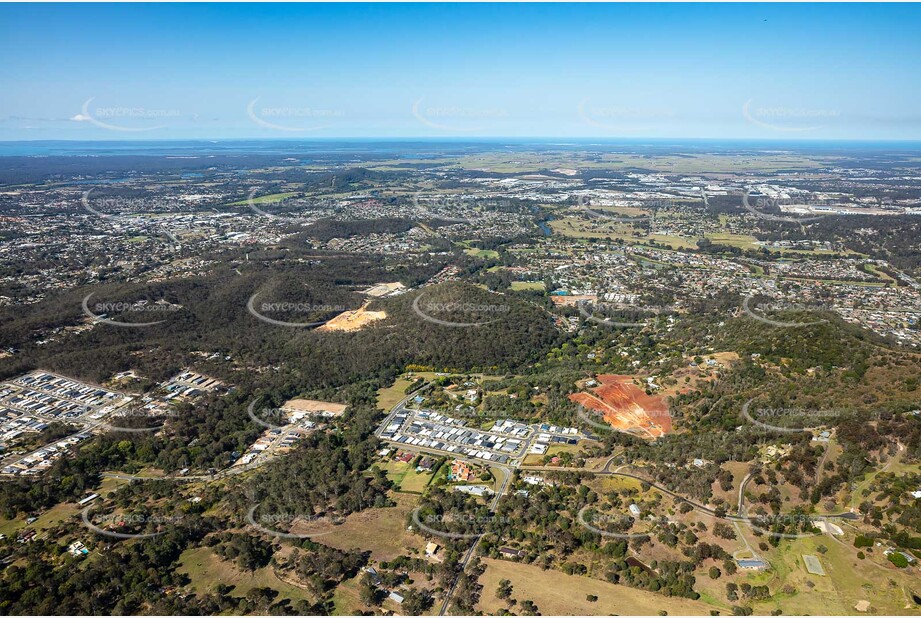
x=863, y=541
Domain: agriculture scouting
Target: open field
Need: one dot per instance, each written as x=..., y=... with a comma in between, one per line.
x=528, y=285
x=482, y=253
x=313, y=406
x=206, y=570
x=556, y=593
x=346, y=599
x=614, y=211
x=405, y=477
x=748, y=242
x=743, y=241
x=847, y=580
x=52, y=517
x=416, y=482
x=58, y=513
x=396, y=471
x=381, y=531
x=390, y=396
x=9, y=526
x=266, y=199
x=577, y=228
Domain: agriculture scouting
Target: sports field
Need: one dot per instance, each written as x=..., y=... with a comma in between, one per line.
x=528, y=285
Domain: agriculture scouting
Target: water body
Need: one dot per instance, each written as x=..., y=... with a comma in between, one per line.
x=422, y=148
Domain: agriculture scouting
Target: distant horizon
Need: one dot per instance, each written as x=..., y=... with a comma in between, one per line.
x=559, y=141
x=400, y=71
x=471, y=138
x=425, y=147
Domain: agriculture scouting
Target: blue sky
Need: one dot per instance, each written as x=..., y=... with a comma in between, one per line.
x=781, y=71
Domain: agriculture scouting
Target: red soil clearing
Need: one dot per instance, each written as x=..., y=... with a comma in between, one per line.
x=627, y=407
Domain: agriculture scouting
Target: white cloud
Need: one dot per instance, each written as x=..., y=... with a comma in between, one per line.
x=81, y=118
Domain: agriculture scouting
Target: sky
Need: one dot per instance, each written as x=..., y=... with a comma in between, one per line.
x=320, y=71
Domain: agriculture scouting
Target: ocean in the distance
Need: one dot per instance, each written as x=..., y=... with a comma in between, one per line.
x=417, y=148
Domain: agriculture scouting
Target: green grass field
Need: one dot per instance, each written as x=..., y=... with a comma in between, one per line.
x=396, y=471
x=528, y=285
x=405, y=477
x=536, y=460
x=390, y=396
x=576, y=228
x=416, y=482
x=743, y=241
x=847, y=580
x=573, y=227
x=10, y=526
x=266, y=199
x=482, y=253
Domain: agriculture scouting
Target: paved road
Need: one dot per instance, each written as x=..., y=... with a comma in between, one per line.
x=470, y=552
x=709, y=511
x=88, y=429
x=503, y=486
x=751, y=551
x=231, y=471
x=399, y=407
x=505, y=471
x=515, y=458
x=745, y=481
x=606, y=471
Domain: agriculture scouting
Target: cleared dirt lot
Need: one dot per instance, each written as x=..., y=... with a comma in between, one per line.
x=626, y=406
x=353, y=320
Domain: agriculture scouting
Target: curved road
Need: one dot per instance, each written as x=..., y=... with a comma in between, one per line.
x=507, y=473
x=606, y=471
